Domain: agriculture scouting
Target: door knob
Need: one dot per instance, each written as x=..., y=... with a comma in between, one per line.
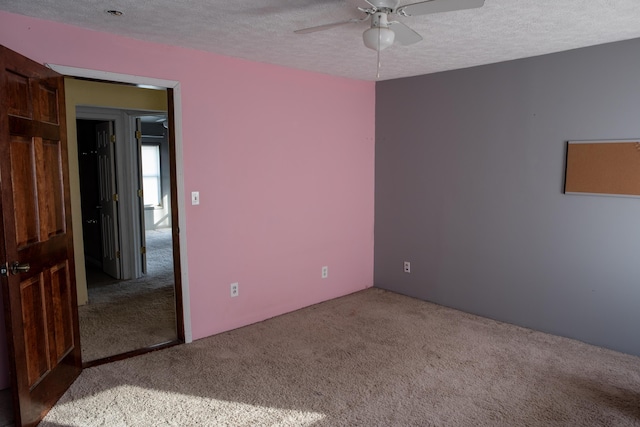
x=17, y=268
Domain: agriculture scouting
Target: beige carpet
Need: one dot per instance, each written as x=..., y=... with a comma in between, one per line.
x=126, y=315
x=373, y=358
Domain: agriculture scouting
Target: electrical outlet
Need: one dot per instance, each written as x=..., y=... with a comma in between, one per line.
x=407, y=267
x=325, y=272
x=234, y=290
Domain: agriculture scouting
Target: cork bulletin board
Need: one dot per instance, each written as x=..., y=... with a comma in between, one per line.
x=603, y=167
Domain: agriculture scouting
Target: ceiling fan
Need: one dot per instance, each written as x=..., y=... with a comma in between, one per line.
x=382, y=32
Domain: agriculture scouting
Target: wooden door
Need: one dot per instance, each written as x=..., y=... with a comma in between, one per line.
x=40, y=302
x=105, y=144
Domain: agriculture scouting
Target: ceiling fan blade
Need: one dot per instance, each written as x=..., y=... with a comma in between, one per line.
x=327, y=26
x=437, y=6
x=404, y=35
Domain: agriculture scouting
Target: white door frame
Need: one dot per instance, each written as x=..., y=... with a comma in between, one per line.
x=126, y=155
x=116, y=116
x=177, y=108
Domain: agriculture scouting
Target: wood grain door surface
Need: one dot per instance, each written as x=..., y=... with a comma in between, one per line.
x=40, y=304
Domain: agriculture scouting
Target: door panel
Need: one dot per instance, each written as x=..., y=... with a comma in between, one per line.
x=34, y=328
x=40, y=302
x=51, y=191
x=60, y=306
x=24, y=189
x=17, y=90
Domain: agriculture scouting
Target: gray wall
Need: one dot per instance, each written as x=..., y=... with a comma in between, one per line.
x=469, y=178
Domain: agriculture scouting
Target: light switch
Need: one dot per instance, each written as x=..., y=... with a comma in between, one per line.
x=195, y=197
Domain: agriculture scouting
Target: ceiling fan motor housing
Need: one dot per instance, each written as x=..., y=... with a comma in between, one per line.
x=380, y=19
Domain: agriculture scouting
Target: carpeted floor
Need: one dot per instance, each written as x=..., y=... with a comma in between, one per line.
x=373, y=358
x=125, y=315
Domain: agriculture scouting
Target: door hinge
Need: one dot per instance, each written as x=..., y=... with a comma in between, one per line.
x=4, y=270
x=138, y=134
x=112, y=138
x=143, y=250
x=140, y=193
x=115, y=197
x=118, y=254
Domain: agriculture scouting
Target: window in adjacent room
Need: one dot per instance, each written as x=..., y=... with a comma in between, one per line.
x=151, y=179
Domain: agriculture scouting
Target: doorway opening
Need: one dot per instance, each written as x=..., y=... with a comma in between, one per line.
x=58, y=380
x=124, y=163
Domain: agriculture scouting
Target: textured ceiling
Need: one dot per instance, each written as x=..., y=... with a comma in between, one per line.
x=262, y=30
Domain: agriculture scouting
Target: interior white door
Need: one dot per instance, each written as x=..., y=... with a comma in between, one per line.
x=108, y=200
x=143, y=236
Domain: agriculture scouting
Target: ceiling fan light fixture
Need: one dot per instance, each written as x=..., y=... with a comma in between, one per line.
x=378, y=38
x=383, y=33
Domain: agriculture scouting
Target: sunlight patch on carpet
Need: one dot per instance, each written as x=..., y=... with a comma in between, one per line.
x=128, y=405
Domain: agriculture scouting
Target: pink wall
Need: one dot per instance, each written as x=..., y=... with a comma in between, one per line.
x=283, y=160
